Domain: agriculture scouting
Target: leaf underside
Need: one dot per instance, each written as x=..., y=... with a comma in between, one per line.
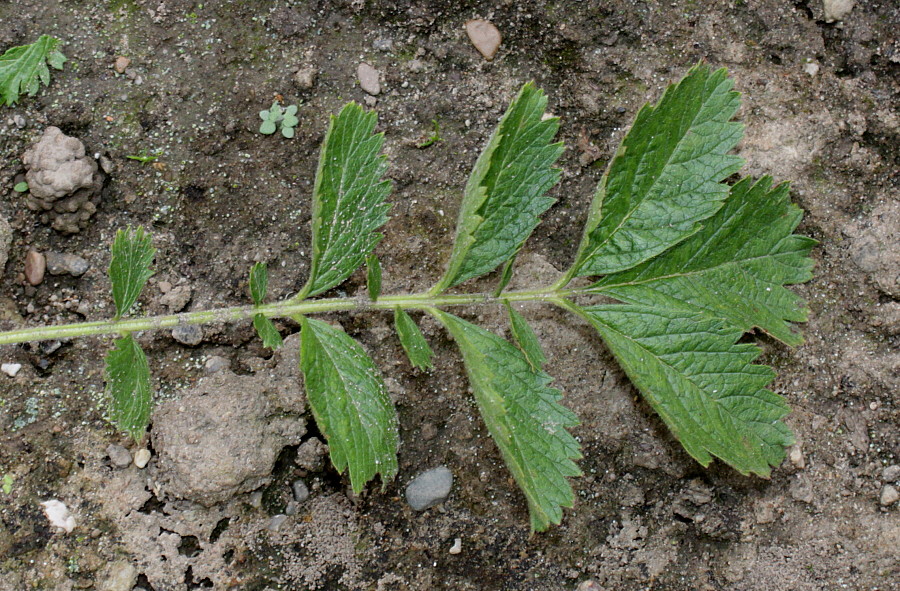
x=524, y=418
x=735, y=268
x=24, y=68
x=412, y=340
x=703, y=385
x=129, y=268
x=128, y=387
x=505, y=194
x=665, y=177
x=348, y=199
x=349, y=402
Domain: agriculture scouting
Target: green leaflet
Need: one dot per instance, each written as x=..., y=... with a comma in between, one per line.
x=348, y=199
x=349, y=401
x=373, y=277
x=129, y=268
x=267, y=332
x=524, y=418
x=664, y=179
x=526, y=339
x=259, y=282
x=504, y=196
x=735, y=268
x=128, y=387
x=703, y=385
x=413, y=342
x=24, y=68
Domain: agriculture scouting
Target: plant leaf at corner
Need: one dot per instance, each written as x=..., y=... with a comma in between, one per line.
x=24, y=68
x=524, y=418
x=348, y=199
x=350, y=403
x=129, y=268
x=128, y=387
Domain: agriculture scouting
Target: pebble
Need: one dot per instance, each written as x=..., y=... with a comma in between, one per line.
x=889, y=496
x=301, y=491
x=66, y=264
x=216, y=364
x=811, y=68
x=796, y=457
x=456, y=548
x=19, y=121
x=121, y=577
x=5, y=241
x=35, y=266
x=429, y=488
x=368, y=79
x=142, y=458
x=121, y=64
x=118, y=455
x=305, y=78
x=256, y=499
x=277, y=521
x=11, y=369
x=589, y=585
x=484, y=36
x=292, y=508
x=836, y=10
x=891, y=473
x=188, y=334
x=383, y=45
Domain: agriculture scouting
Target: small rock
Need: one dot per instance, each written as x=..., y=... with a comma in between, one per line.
x=889, y=496
x=836, y=10
x=216, y=364
x=311, y=455
x=305, y=78
x=292, y=508
x=118, y=455
x=107, y=164
x=11, y=369
x=35, y=266
x=142, y=458
x=589, y=585
x=121, y=64
x=5, y=241
x=368, y=79
x=301, y=491
x=256, y=499
x=456, y=548
x=58, y=515
x=188, y=334
x=429, y=488
x=891, y=473
x=811, y=68
x=484, y=36
x=796, y=457
x=120, y=576
x=175, y=299
x=383, y=45
x=66, y=264
x=19, y=121
x=277, y=521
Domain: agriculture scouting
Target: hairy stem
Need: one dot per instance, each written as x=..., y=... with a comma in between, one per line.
x=284, y=309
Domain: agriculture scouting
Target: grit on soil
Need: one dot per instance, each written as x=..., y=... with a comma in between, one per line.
x=820, y=107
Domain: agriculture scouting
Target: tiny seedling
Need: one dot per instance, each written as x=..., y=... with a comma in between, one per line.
x=21, y=187
x=433, y=138
x=692, y=263
x=276, y=116
x=7, y=483
x=145, y=156
x=24, y=68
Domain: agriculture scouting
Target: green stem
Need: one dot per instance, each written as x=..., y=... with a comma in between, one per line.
x=285, y=309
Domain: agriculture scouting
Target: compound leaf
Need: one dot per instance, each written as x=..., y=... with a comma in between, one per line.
x=349, y=402
x=665, y=178
x=373, y=277
x=267, y=332
x=129, y=268
x=412, y=340
x=524, y=418
x=259, y=282
x=526, y=339
x=505, y=194
x=703, y=385
x=348, y=199
x=735, y=268
x=128, y=387
x=24, y=68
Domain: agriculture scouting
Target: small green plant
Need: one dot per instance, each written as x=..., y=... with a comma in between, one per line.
x=24, y=68
x=21, y=187
x=7, y=483
x=433, y=138
x=276, y=116
x=145, y=156
x=693, y=264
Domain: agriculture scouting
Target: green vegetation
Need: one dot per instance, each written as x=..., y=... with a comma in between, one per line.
x=277, y=117
x=24, y=68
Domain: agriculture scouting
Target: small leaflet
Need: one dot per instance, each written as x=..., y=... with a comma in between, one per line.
x=129, y=268
x=526, y=339
x=128, y=387
x=373, y=277
x=259, y=282
x=24, y=68
x=267, y=332
x=412, y=340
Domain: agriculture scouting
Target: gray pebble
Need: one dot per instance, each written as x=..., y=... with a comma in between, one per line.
x=121, y=576
x=277, y=521
x=256, y=499
x=305, y=78
x=216, y=364
x=429, y=488
x=118, y=455
x=889, y=496
x=59, y=263
x=383, y=45
x=301, y=491
x=19, y=121
x=188, y=334
x=368, y=79
x=891, y=473
x=292, y=508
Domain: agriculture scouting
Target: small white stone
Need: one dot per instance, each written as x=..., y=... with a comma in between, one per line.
x=368, y=79
x=796, y=457
x=811, y=68
x=889, y=496
x=484, y=36
x=836, y=10
x=142, y=458
x=11, y=369
x=456, y=548
x=58, y=514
